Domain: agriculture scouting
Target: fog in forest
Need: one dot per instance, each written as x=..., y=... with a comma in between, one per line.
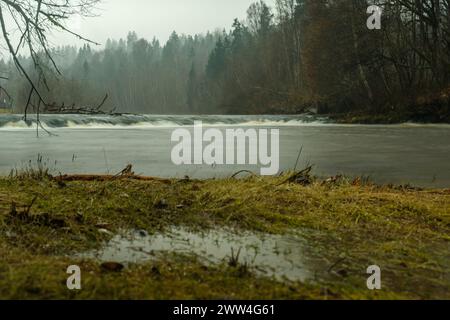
x=154, y=18
x=239, y=57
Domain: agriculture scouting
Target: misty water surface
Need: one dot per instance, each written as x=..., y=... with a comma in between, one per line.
x=399, y=154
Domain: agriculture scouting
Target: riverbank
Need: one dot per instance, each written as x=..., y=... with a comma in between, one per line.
x=431, y=109
x=390, y=118
x=45, y=224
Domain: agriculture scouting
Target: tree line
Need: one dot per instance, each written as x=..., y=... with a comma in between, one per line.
x=139, y=76
x=299, y=55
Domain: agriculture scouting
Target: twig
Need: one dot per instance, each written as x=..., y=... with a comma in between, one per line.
x=298, y=158
x=28, y=208
x=335, y=264
x=243, y=171
x=103, y=102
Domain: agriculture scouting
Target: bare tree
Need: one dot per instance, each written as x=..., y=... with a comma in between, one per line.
x=32, y=21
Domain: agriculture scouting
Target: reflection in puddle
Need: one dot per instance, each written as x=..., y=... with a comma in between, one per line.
x=280, y=256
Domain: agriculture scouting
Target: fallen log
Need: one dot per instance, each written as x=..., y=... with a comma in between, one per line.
x=102, y=178
x=125, y=174
x=63, y=109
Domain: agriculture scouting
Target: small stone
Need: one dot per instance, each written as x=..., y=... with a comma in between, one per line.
x=343, y=273
x=143, y=233
x=79, y=217
x=102, y=225
x=161, y=204
x=11, y=234
x=112, y=266
x=61, y=184
x=155, y=271
x=104, y=231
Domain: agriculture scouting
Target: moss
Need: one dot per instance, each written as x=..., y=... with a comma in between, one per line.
x=405, y=231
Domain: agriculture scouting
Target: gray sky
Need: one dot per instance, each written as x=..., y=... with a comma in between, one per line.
x=157, y=18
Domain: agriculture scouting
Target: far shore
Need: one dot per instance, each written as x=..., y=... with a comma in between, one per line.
x=339, y=118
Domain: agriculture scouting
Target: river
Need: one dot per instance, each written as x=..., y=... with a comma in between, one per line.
x=399, y=154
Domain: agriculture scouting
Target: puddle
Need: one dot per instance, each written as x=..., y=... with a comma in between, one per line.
x=280, y=256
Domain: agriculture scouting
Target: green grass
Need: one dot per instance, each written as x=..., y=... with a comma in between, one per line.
x=43, y=224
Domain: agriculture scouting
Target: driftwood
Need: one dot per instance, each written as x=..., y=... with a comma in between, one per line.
x=243, y=171
x=102, y=178
x=300, y=177
x=63, y=109
x=125, y=174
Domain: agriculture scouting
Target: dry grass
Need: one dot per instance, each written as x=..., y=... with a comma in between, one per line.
x=353, y=225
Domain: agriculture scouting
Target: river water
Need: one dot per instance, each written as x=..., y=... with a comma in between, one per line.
x=399, y=154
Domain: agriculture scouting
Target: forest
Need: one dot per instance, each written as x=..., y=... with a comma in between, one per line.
x=297, y=56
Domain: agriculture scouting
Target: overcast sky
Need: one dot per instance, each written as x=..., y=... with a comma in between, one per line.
x=157, y=18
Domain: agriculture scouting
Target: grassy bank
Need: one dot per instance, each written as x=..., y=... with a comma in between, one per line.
x=44, y=223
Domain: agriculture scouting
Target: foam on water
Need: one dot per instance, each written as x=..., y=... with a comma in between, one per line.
x=15, y=125
x=105, y=122
x=16, y=122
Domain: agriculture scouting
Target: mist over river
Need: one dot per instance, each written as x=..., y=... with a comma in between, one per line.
x=399, y=154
